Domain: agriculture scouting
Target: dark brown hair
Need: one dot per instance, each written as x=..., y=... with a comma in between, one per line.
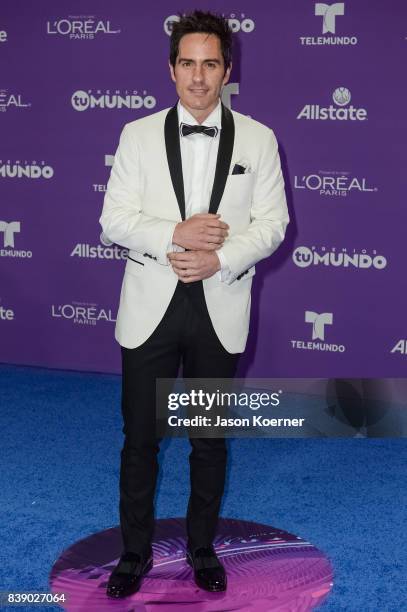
x=207, y=23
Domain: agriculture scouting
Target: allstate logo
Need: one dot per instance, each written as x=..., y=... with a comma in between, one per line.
x=6, y=314
x=341, y=96
x=109, y=250
x=169, y=22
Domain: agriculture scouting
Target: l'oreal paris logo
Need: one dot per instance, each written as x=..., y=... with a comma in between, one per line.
x=333, y=183
x=80, y=27
x=82, y=313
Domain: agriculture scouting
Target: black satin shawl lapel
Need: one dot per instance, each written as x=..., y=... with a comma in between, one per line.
x=227, y=138
x=173, y=149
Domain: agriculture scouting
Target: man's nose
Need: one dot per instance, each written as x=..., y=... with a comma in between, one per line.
x=198, y=73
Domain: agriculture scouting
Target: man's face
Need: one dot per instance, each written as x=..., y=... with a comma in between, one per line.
x=199, y=73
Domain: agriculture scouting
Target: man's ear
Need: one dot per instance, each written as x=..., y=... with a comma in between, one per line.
x=172, y=73
x=227, y=75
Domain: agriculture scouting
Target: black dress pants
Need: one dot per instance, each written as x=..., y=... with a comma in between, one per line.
x=184, y=335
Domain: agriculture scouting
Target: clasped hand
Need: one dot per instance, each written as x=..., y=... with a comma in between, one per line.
x=202, y=235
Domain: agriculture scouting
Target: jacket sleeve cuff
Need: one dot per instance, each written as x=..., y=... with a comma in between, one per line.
x=225, y=274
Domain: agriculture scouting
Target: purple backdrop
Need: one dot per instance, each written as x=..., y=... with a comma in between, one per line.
x=327, y=78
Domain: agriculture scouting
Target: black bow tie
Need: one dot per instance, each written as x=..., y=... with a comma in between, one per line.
x=186, y=129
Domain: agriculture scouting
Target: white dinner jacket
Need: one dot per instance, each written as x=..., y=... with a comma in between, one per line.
x=144, y=201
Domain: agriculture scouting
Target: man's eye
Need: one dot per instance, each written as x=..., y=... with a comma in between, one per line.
x=211, y=65
x=186, y=64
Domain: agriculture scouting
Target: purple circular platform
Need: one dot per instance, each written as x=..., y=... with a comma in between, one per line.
x=268, y=570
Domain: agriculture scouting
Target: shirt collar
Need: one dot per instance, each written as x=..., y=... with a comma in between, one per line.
x=214, y=119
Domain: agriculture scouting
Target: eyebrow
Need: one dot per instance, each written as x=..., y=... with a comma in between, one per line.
x=186, y=59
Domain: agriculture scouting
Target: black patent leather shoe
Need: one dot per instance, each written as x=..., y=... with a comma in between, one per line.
x=127, y=575
x=209, y=573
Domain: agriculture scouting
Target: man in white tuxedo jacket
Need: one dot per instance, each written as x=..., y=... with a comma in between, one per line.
x=197, y=195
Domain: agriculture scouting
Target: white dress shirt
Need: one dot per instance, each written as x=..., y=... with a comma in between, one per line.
x=199, y=155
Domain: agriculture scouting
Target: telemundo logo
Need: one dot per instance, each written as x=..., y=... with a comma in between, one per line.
x=229, y=90
x=303, y=257
x=82, y=100
x=9, y=229
x=341, y=96
x=329, y=13
x=319, y=322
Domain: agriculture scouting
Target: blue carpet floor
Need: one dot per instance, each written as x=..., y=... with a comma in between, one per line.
x=60, y=443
